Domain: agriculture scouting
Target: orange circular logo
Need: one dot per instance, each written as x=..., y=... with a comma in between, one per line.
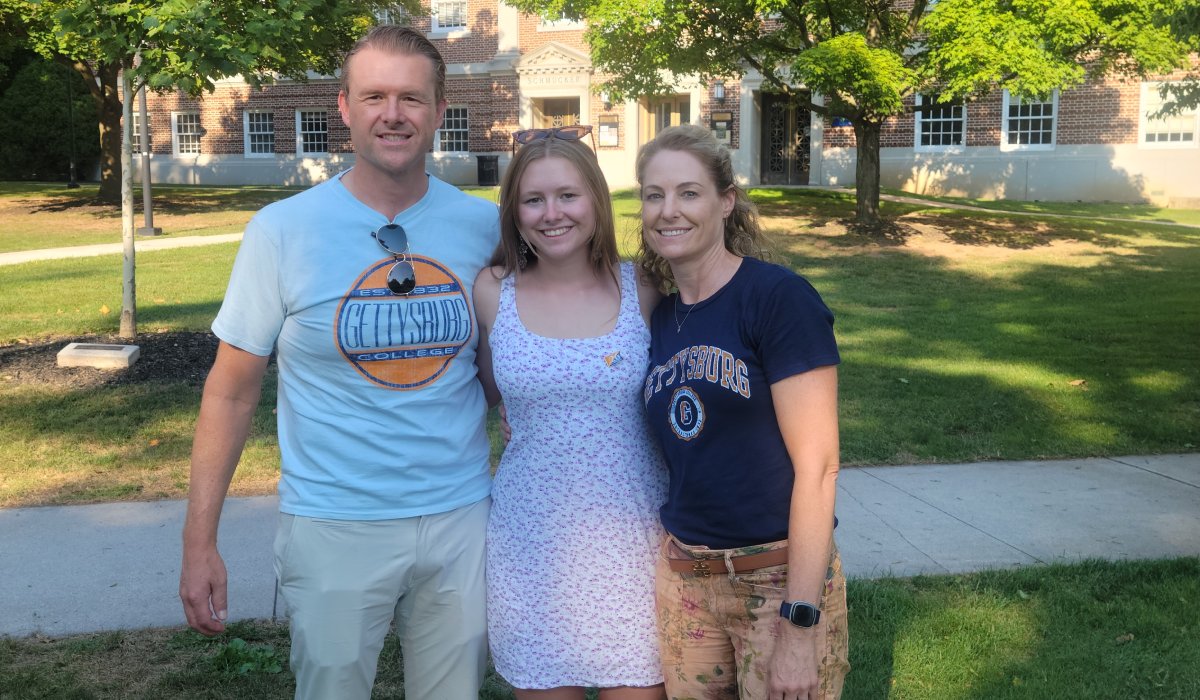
x=404, y=342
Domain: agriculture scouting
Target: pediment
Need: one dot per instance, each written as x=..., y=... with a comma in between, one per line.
x=554, y=58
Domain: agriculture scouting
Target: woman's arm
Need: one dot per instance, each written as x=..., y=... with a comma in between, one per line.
x=648, y=294
x=806, y=407
x=486, y=297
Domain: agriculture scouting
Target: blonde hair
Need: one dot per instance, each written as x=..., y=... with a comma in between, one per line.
x=602, y=248
x=405, y=41
x=743, y=232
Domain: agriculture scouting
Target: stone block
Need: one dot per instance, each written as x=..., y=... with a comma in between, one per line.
x=100, y=355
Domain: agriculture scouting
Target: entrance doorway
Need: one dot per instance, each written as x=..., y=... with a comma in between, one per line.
x=785, y=141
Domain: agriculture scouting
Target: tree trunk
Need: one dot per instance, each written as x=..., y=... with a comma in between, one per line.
x=866, y=172
x=108, y=111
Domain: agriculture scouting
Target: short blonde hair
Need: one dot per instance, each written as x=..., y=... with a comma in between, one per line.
x=406, y=41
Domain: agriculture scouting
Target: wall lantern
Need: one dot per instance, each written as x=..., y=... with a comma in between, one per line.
x=719, y=91
x=606, y=99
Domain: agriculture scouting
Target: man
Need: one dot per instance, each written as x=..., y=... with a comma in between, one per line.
x=361, y=287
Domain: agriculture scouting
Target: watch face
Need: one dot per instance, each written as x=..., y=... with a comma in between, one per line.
x=801, y=614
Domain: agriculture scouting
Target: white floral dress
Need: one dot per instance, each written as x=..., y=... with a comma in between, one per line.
x=574, y=527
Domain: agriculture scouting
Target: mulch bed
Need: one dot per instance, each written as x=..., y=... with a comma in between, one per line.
x=168, y=357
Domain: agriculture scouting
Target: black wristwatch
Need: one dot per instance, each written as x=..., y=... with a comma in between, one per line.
x=799, y=613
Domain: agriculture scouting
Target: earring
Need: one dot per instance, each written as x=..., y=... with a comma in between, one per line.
x=522, y=253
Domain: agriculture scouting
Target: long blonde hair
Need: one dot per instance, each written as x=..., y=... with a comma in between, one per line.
x=602, y=248
x=743, y=233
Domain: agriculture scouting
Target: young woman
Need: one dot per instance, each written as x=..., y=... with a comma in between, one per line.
x=574, y=521
x=742, y=393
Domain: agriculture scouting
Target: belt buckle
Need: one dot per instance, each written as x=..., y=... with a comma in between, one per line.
x=700, y=568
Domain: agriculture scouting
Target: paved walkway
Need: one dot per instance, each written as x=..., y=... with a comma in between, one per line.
x=140, y=245
x=73, y=569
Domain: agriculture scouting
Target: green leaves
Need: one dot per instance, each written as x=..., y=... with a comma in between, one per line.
x=856, y=79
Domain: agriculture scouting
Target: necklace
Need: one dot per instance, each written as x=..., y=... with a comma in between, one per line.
x=678, y=323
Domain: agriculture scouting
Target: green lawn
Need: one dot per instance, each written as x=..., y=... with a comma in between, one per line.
x=1096, y=630
x=1101, y=210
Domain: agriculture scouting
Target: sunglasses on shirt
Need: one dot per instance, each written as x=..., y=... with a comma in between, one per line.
x=402, y=278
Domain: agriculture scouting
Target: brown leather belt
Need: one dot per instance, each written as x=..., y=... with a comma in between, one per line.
x=716, y=565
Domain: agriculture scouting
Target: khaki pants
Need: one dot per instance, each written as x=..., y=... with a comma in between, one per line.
x=345, y=581
x=717, y=633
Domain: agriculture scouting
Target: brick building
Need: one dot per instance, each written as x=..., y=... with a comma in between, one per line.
x=507, y=70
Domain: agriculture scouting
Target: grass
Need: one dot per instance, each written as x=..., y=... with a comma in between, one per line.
x=1094, y=629
x=964, y=336
x=1090, y=210
x=48, y=215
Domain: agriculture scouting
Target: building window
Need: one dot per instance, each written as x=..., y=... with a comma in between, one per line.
x=259, y=133
x=452, y=137
x=939, y=127
x=559, y=22
x=666, y=111
x=395, y=14
x=1028, y=124
x=1170, y=131
x=449, y=15
x=137, y=135
x=556, y=111
x=312, y=131
x=186, y=133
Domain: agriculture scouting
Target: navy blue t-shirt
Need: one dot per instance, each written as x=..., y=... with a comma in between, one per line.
x=708, y=398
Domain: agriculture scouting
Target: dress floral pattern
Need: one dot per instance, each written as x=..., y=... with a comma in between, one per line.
x=574, y=528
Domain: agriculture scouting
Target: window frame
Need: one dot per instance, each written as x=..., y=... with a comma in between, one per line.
x=394, y=15
x=135, y=134
x=176, y=141
x=451, y=32
x=562, y=24
x=920, y=117
x=465, y=130
x=1149, y=91
x=300, y=134
x=247, y=142
x=1007, y=102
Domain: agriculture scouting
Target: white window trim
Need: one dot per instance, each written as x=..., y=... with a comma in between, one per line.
x=446, y=32
x=300, y=137
x=919, y=116
x=437, y=135
x=560, y=25
x=392, y=15
x=1006, y=146
x=136, y=136
x=1150, y=90
x=175, y=135
x=246, y=133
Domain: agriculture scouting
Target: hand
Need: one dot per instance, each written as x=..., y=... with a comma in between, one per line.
x=203, y=588
x=505, y=428
x=792, y=671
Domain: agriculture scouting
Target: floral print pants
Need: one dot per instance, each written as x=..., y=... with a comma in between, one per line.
x=717, y=633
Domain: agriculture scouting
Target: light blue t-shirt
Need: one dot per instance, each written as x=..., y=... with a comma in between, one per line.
x=381, y=414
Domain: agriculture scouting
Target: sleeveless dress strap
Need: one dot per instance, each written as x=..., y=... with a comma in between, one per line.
x=506, y=312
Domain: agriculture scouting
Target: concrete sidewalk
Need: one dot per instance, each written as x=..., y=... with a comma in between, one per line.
x=140, y=245
x=73, y=569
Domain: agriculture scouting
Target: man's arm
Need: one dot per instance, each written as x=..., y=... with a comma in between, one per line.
x=231, y=395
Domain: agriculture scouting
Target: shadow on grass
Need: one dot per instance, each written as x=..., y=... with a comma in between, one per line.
x=945, y=364
x=173, y=200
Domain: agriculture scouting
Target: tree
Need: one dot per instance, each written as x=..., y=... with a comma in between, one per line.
x=34, y=105
x=183, y=44
x=864, y=57
x=1185, y=94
